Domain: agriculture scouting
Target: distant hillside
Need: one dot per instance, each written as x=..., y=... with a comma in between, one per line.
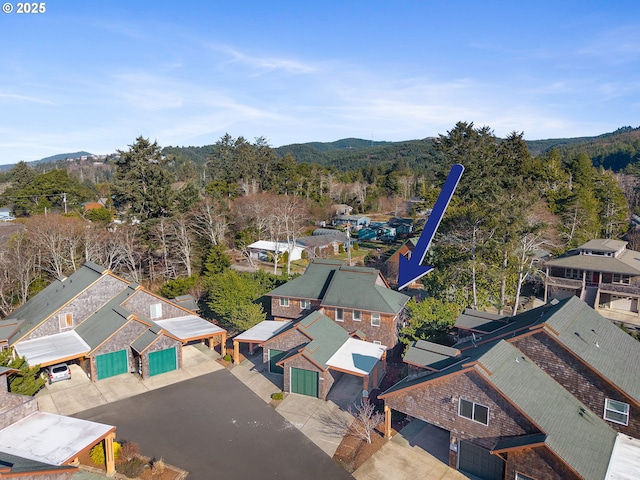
x=613, y=151
x=60, y=156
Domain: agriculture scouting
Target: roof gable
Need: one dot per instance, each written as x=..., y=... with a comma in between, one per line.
x=52, y=298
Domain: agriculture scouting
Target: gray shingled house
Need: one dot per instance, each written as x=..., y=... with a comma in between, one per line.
x=107, y=325
x=551, y=393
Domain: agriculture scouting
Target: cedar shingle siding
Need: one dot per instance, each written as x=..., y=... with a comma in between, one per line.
x=121, y=341
x=85, y=304
x=582, y=382
x=437, y=402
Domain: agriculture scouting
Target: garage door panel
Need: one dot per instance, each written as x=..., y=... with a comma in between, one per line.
x=163, y=361
x=112, y=364
x=274, y=357
x=304, y=382
x=480, y=462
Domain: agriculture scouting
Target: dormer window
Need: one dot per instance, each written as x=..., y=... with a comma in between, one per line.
x=65, y=320
x=155, y=311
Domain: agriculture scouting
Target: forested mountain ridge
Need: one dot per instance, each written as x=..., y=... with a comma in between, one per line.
x=613, y=151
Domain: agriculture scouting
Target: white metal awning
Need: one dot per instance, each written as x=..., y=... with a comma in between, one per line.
x=625, y=459
x=262, y=331
x=53, y=348
x=51, y=439
x=357, y=356
x=190, y=327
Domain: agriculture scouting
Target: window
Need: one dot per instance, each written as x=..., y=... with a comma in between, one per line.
x=65, y=320
x=377, y=342
x=520, y=476
x=619, y=278
x=156, y=310
x=339, y=315
x=284, y=302
x=474, y=411
x=573, y=273
x=375, y=319
x=617, y=412
x=357, y=315
x=305, y=304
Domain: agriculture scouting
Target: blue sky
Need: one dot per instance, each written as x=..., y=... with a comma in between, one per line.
x=93, y=75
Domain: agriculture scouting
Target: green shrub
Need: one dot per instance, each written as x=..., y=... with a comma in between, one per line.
x=356, y=246
x=227, y=358
x=133, y=468
x=277, y=396
x=97, y=453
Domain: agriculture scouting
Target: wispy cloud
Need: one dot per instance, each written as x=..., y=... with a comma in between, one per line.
x=264, y=63
x=25, y=98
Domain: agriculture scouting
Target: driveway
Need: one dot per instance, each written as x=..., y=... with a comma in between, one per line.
x=216, y=427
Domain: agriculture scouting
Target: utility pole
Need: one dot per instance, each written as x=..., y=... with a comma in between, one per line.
x=349, y=244
x=64, y=201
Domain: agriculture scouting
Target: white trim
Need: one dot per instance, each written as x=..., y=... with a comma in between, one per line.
x=379, y=319
x=284, y=301
x=608, y=408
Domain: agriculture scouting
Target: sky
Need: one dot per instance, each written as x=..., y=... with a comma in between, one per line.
x=94, y=75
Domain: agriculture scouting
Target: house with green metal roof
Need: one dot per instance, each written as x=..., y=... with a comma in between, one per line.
x=602, y=272
x=315, y=352
x=107, y=325
x=358, y=298
x=550, y=393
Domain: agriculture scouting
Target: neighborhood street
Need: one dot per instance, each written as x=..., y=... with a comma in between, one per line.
x=215, y=427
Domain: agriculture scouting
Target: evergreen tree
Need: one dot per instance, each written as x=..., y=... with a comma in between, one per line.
x=142, y=182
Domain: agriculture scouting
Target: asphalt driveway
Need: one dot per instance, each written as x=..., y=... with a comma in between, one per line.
x=216, y=427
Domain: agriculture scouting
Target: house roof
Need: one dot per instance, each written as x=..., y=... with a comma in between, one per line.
x=52, y=298
x=322, y=240
x=574, y=433
x=49, y=350
x=475, y=320
x=271, y=246
x=603, y=245
x=359, y=288
x=327, y=337
x=339, y=285
x=597, y=342
x=186, y=301
x=107, y=320
x=189, y=327
x=356, y=356
x=17, y=465
x=263, y=331
x=145, y=340
x=431, y=355
x=49, y=438
x=312, y=284
x=625, y=461
x=627, y=263
x=554, y=410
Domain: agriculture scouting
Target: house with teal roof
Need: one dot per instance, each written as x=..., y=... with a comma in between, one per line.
x=357, y=298
x=551, y=393
x=107, y=325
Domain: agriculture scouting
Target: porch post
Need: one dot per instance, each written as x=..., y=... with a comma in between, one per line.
x=387, y=421
x=109, y=458
x=546, y=283
x=223, y=345
x=236, y=352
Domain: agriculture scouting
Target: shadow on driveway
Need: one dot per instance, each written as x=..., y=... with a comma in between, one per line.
x=215, y=427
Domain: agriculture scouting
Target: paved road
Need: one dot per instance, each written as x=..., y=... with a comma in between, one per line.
x=215, y=427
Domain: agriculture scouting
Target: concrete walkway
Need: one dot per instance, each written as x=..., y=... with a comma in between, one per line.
x=80, y=393
x=404, y=457
x=324, y=423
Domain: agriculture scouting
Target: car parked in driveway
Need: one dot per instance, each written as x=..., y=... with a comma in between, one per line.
x=55, y=373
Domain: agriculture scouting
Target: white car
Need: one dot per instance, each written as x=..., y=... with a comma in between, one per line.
x=55, y=373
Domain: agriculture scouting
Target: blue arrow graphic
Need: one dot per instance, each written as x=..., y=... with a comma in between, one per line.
x=411, y=269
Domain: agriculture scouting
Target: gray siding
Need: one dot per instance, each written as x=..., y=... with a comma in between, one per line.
x=85, y=304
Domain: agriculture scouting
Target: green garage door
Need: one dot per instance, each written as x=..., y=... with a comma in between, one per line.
x=111, y=364
x=163, y=361
x=304, y=382
x=274, y=357
x=479, y=462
